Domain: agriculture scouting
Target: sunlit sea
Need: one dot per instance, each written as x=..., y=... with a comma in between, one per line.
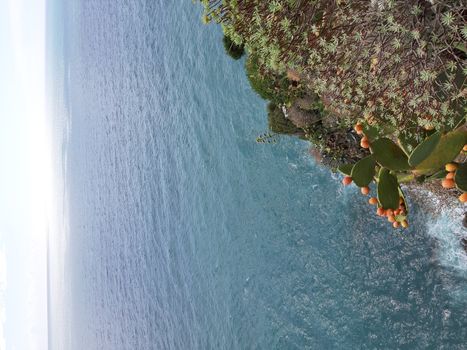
x=174, y=229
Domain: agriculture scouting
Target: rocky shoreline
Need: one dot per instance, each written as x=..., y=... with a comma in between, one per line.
x=337, y=146
x=434, y=199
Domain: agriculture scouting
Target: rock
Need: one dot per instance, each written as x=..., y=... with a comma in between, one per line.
x=464, y=244
x=279, y=122
x=464, y=240
x=301, y=118
x=293, y=75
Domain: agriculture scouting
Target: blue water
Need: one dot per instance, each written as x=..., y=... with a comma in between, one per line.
x=179, y=231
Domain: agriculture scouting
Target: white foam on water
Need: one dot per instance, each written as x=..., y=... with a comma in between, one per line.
x=448, y=231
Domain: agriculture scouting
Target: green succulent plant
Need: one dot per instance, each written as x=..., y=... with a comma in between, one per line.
x=424, y=149
x=363, y=171
x=388, y=190
x=346, y=169
x=389, y=155
x=446, y=150
x=425, y=162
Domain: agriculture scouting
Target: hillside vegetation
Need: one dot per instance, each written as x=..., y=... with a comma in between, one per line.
x=379, y=87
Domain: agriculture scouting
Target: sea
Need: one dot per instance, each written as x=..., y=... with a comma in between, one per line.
x=172, y=228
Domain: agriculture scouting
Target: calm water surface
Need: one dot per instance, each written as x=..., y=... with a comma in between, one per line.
x=177, y=230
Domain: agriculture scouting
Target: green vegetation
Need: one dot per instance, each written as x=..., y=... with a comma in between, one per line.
x=233, y=50
x=395, y=61
x=432, y=159
x=279, y=124
x=396, y=69
x=270, y=85
x=363, y=171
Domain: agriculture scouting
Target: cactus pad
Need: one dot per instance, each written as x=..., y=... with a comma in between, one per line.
x=389, y=155
x=447, y=149
x=363, y=171
x=388, y=190
x=345, y=169
x=424, y=149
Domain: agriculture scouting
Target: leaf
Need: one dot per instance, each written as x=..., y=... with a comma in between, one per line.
x=374, y=132
x=388, y=190
x=389, y=155
x=364, y=171
x=401, y=195
x=461, y=177
x=346, y=169
x=370, y=132
x=447, y=150
x=424, y=149
x=407, y=143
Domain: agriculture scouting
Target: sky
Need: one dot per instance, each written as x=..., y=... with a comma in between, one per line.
x=24, y=173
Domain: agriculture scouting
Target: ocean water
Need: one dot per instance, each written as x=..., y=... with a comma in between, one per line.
x=174, y=229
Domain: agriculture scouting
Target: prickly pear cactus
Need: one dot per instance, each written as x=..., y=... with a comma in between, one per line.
x=346, y=169
x=388, y=190
x=363, y=171
x=389, y=155
x=424, y=149
x=447, y=149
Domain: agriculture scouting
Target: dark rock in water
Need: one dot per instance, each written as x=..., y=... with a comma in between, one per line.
x=464, y=244
x=464, y=240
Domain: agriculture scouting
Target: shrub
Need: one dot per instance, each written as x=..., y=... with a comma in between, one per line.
x=233, y=50
x=397, y=62
x=279, y=124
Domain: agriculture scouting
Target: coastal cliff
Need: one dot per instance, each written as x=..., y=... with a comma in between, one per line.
x=377, y=88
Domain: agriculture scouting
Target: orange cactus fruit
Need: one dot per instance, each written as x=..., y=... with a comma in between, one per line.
x=463, y=197
x=365, y=190
x=358, y=128
x=395, y=224
x=448, y=183
x=451, y=167
x=364, y=143
x=373, y=201
x=391, y=219
x=380, y=211
x=465, y=148
x=347, y=180
x=450, y=176
x=389, y=212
